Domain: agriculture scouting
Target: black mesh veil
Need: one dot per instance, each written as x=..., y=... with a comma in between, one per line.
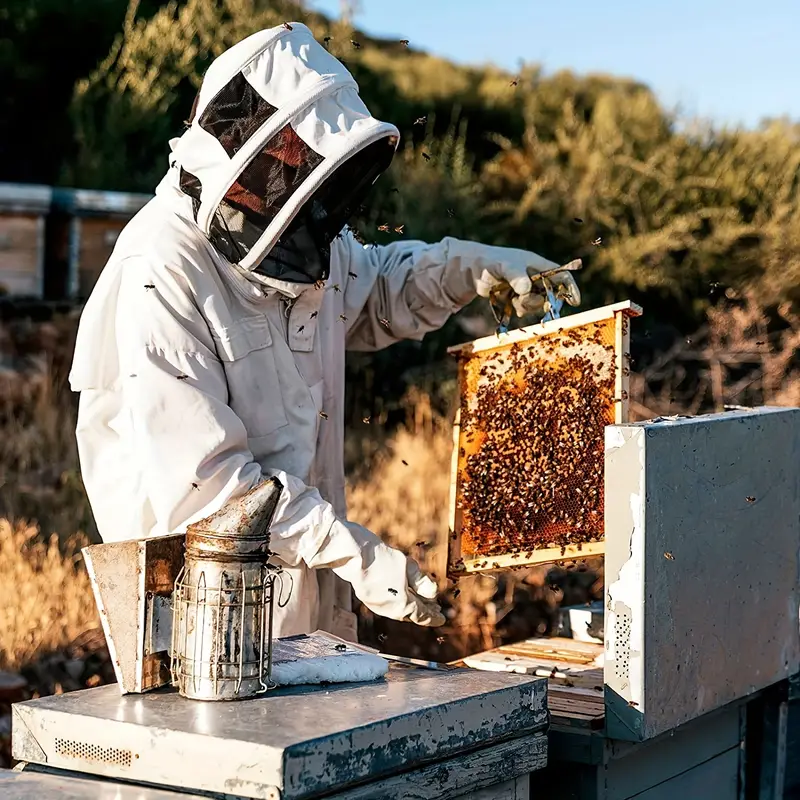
x=269, y=181
x=235, y=113
x=324, y=215
x=260, y=192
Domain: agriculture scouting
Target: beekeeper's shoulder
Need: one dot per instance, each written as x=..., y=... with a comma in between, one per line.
x=348, y=254
x=162, y=246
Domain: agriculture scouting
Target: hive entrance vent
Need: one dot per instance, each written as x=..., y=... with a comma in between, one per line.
x=622, y=644
x=84, y=751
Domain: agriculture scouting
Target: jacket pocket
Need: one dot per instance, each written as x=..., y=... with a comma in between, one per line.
x=254, y=391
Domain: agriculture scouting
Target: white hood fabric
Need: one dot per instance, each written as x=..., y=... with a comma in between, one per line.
x=196, y=382
x=279, y=111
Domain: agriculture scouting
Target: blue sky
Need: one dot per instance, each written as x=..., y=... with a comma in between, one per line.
x=735, y=61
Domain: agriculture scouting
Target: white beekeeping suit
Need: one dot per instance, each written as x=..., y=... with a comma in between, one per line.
x=211, y=352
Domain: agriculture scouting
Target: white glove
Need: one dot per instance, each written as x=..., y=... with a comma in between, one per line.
x=496, y=269
x=385, y=580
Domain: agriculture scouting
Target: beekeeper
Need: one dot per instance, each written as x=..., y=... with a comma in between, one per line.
x=211, y=351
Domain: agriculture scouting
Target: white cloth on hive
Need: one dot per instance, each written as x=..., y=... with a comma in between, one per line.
x=314, y=658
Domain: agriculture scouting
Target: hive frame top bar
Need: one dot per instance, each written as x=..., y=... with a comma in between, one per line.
x=543, y=328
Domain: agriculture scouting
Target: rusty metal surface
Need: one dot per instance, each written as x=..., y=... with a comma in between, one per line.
x=162, y=560
x=126, y=578
x=162, y=563
x=222, y=628
x=294, y=743
x=223, y=601
x=240, y=529
x=129, y=577
x=529, y=471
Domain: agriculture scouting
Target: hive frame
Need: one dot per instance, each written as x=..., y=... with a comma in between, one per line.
x=621, y=313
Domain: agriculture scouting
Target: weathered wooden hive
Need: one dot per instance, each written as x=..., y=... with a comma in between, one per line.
x=23, y=210
x=85, y=225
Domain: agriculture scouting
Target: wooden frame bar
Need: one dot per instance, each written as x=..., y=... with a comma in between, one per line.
x=524, y=335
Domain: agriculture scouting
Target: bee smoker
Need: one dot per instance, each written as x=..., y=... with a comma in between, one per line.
x=223, y=601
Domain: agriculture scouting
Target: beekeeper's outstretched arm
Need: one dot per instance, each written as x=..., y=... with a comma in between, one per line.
x=193, y=456
x=408, y=288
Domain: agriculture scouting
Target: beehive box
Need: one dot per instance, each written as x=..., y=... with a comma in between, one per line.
x=23, y=209
x=86, y=225
x=527, y=482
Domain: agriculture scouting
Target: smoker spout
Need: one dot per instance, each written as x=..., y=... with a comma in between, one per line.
x=248, y=516
x=240, y=527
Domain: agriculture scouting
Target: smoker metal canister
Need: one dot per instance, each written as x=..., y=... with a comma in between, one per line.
x=223, y=601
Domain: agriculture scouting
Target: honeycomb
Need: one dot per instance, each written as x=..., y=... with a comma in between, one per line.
x=530, y=446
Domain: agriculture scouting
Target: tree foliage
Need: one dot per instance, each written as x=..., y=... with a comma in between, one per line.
x=45, y=46
x=671, y=213
x=666, y=209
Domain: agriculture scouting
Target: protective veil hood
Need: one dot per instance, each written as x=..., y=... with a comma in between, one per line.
x=279, y=153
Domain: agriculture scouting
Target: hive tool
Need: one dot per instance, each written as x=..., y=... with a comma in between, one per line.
x=500, y=300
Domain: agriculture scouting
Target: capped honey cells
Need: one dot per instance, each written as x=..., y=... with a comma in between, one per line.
x=530, y=446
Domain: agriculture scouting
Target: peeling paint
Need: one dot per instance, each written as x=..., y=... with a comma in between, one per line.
x=25, y=746
x=250, y=789
x=300, y=742
x=626, y=594
x=614, y=438
x=538, y=703
x=706, y=538
x=416, y=738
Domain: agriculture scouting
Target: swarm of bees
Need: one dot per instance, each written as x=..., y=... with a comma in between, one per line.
x=531, y=449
